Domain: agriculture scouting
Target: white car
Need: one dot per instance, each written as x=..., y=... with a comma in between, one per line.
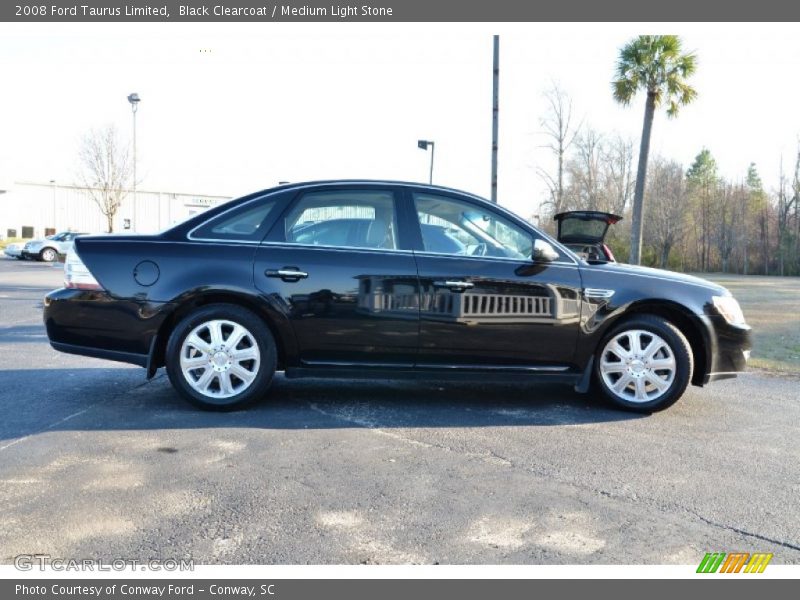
x=14, y=251
x=50, y=247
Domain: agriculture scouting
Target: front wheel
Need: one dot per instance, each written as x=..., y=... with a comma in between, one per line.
x=221, y=357
x=48, y=255
x=644, y=364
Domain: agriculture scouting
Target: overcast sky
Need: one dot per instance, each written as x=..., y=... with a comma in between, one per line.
x=230, y=108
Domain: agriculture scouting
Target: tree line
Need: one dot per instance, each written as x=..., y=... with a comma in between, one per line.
x=693, y=220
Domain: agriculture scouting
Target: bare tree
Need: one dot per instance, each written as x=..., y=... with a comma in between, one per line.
x=618, y=174
x=584, y=170
x=796, y=196
x=728, y=200
x=666, y=221
x=106, y=170
x=786, y=201
x=558, y=126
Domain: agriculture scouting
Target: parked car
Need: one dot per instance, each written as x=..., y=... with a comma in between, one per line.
x=49, y=248
x=584, y=232
x=14, y=250
x=379, y=279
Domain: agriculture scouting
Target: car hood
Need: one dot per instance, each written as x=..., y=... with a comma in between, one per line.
x=624, y=269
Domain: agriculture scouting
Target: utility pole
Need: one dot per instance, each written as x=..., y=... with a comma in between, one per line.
x=495, y=113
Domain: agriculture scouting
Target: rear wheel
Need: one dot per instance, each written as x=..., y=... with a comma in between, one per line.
x=48, y=255
x=644, y=364
x=221, y=357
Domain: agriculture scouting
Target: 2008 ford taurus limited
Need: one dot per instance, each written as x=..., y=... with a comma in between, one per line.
x=384, y=279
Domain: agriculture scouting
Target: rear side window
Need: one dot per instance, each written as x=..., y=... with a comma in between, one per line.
x=248, y=223
x=348, y=219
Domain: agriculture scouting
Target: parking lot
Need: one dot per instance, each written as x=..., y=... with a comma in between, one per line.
x=97, y=462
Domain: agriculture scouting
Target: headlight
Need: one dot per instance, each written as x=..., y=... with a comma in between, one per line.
x=729, y=308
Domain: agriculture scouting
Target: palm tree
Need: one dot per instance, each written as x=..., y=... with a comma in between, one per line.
x=655, y=64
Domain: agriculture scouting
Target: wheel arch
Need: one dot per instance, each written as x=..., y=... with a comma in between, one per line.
x=689, y=325
x=283, y=342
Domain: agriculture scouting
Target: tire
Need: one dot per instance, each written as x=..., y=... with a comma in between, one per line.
x=48, y=255
x=221, y=381
x=627, y=363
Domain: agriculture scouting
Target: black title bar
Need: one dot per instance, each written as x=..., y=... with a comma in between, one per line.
x=400, y=11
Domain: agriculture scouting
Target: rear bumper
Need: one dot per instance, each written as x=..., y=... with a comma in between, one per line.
x=729, y=348
x=126, y=357
x=92, y=323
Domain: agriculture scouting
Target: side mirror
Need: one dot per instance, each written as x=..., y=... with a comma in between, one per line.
x=544, y=251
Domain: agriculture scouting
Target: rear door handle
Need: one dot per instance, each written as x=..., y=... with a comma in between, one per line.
x=288, y=274
x=455, y=286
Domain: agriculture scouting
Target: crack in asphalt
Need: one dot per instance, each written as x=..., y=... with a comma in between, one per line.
x=758, y=536
x=493, y=458
x=374, y=427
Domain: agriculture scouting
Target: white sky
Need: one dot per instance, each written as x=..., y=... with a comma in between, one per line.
x=271, y=102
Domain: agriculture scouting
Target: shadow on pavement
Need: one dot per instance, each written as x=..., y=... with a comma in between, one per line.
x=120, y=399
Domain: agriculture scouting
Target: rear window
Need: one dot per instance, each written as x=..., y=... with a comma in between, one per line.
x=574, y=227
x=248, y=223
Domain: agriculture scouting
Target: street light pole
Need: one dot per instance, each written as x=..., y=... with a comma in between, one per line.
x=134, y=99
x=423, y=145
x=53, y=185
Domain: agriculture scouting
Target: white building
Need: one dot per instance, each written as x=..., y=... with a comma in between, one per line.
x=30, y=209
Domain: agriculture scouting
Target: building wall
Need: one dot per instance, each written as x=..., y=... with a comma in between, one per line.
x=45, y=206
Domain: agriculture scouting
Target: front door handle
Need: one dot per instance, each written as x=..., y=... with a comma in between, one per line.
x=455, y=286
x=288, y=274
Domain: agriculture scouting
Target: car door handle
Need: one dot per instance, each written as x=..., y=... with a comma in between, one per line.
x=289, y=274
x=455, y=286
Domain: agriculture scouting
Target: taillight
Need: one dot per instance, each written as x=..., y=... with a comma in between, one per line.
x=77, y=275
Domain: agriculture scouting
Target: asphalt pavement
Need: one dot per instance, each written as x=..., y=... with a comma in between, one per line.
x=96, y=462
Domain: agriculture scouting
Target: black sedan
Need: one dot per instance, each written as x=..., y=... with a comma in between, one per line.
x=379, y=279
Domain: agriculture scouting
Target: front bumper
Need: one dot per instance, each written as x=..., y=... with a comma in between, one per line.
x=92, y=323
x=728, y=347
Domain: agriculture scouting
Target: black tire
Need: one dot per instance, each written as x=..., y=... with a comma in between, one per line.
x=678, y=345
x=262, y=337
x=48, y=255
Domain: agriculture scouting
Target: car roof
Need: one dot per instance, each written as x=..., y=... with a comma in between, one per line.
x=392, y=182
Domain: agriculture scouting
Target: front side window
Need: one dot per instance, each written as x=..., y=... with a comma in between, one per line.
x=247, y=223
x=451, y=226
x=350, y=219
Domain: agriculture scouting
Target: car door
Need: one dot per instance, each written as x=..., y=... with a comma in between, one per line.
x=484, y=303
x=338, y=263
